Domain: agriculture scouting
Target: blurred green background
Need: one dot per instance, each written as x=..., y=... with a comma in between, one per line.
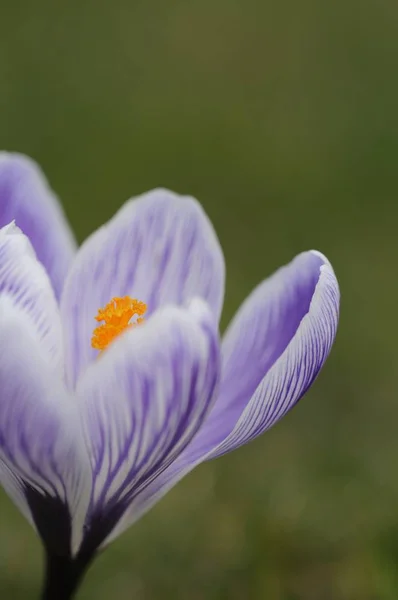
x=281, y=117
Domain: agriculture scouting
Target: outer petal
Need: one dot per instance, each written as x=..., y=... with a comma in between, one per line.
x=273, y=351
x=26, y=198
x=160, y=248
x=25, y=282
x=143, y=401
x=43, y=461
x=308, y=324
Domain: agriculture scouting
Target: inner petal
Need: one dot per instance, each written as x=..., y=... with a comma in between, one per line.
x=160, y=247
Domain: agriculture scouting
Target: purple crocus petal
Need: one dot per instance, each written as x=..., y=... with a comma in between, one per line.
x=143, y=400
x=159, y=248
x=26, y=198
x=302, y=327
x=272, y=352
x=25, y=282
x=43, y=461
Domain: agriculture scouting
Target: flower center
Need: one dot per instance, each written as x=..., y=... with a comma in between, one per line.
x=116, y=316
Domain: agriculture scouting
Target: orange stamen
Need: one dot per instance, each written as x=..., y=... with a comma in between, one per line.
x=116, y=316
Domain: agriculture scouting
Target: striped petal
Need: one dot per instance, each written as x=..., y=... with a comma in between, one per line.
x=143, y=400
x=24, y=281
x=272, y=352
x=26, y=198
x=159, y=248
x=43, y=462
x=306, y=314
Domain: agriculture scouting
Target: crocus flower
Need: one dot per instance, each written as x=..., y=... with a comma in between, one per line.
x=96, y=427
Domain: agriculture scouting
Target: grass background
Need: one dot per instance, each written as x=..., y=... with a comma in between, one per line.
x=281, y=117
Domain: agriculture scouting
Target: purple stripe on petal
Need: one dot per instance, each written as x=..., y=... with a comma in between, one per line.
x=26, y=198
x=159, y=248
x=273, y=351
x=142, y=402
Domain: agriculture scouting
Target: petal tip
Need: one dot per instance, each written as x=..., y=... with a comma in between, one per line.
x=165, y=195
x=11, y=230
x=322, y=257
x=23, y=163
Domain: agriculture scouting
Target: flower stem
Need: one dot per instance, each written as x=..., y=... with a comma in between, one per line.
x=63, y=576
